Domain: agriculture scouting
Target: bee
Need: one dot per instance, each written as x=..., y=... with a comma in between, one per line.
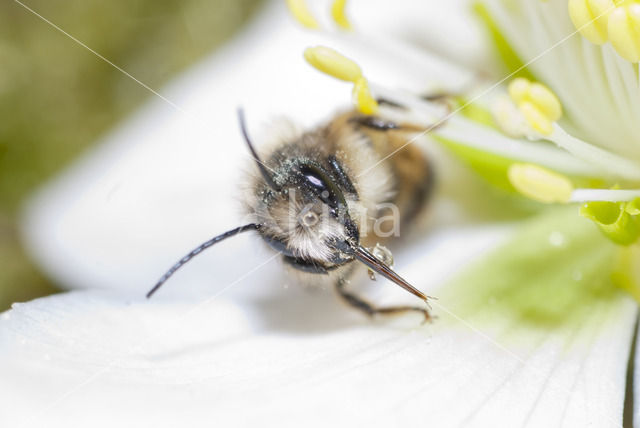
x=321, y=199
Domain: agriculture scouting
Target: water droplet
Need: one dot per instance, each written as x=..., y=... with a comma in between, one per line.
x=576, y=275
x=557, y=239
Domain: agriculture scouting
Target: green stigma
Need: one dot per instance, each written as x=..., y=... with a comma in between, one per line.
x=619, y=221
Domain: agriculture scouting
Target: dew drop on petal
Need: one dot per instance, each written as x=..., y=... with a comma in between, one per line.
x=557, y=239
x=577, y=275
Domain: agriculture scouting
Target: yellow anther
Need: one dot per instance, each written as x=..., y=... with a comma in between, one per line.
x=538, y=104
x=617, y=21
x=590, y=17
x=519, y=88
x=546, y=101
x=301, y=12
x=536, y=118
x=362, y=97
x=339, y=66
x=333, y=63
x=339, y=15
x=540, y=184
x=624, y=31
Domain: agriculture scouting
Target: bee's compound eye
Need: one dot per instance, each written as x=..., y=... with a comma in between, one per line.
x=309, y=219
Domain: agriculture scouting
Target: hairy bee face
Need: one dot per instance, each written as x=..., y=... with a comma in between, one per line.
x=307, y=218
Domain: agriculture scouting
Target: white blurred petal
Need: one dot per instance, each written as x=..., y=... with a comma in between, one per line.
x=91, y=359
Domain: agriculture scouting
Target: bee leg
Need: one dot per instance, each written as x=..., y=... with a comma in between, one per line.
x=389, y=103
x=433, y=97
x=382, y=125
x=366, y=307
x=375, y=123
x=442, y=96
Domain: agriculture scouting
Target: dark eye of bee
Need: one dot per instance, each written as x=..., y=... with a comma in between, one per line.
x=326, y=190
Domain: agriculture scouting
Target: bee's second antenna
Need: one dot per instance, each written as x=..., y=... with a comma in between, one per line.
x=264, y=170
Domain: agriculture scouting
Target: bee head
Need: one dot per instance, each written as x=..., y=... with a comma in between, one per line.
x=307, y=217
x=307, y=220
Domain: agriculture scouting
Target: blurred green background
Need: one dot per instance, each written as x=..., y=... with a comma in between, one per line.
x=56, y=97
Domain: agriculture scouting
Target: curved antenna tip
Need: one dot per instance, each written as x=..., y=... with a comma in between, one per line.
x=198, y=250
x=264, y=170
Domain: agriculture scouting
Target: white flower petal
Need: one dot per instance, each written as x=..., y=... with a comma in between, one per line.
x=90, y=359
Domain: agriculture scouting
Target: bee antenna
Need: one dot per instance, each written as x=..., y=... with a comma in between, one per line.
x=198, y=250
x=264, y=170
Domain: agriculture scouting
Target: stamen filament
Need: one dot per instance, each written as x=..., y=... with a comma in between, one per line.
x=608, y=162
x=478, y=136
x=469, y=133
x=604, y=195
